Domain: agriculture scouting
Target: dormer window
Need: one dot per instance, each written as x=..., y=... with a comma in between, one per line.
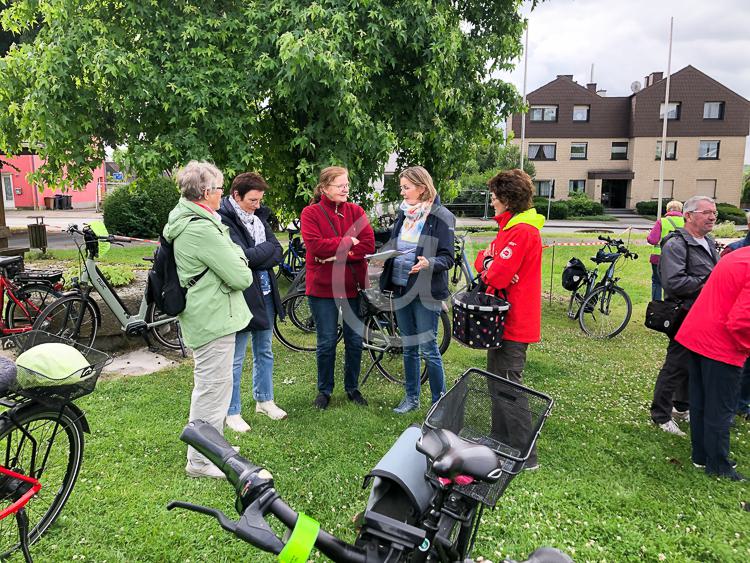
x=543, y=113
x=581, y=113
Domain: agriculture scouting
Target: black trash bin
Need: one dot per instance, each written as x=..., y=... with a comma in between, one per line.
x=58, y=201
x=67, y=201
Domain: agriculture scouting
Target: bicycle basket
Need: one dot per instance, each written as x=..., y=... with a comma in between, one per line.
x=38, y=386
x=573, y=275
x=479, y=319
x=484, y=408
x=375, y=301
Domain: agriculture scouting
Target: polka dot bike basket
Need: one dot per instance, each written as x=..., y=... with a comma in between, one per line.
x=479, y=319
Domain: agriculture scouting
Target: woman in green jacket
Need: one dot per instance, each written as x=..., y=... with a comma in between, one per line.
x=215, y=271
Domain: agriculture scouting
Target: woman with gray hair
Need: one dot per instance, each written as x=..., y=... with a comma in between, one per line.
x=215, y=271
x=425, y=231
x=672, y=221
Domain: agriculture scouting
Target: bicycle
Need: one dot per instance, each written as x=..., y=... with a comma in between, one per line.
x=462, y=274
x=293, y=259
x=429, y=490
x=76, y=314
x=27, y=292
x=381, y=335
x=42, y=437
x=602, y=307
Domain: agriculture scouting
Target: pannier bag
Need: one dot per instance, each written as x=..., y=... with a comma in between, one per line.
x=573, y=275
x=665, y=316
x=479, y=319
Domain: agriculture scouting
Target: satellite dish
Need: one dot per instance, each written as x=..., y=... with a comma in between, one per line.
x=635, y=87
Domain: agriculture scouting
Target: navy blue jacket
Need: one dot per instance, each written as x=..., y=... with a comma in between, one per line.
x=435, y=244
x=264, y=256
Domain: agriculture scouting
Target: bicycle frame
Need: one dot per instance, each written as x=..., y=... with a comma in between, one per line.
x=462, y=264
x=8, y=288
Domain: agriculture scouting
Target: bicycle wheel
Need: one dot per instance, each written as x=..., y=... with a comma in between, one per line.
x=73, y=317
x=574, y=305
x=605, y=312
x=297, y=330
x=34, y=297
x=280, y=269
x=381, y=329
x=168, y=334
x=53, y=456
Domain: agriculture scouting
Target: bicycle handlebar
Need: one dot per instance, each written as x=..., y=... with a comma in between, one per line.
x=255, y=498
x=620, y=245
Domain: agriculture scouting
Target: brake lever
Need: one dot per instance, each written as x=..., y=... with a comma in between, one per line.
x=224, y=521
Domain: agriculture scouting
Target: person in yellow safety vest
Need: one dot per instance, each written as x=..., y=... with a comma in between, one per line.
x=673, y=220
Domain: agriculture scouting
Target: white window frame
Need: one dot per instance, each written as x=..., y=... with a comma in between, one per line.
x=671, y=155
x=548, y=113
x=540, y=150
x=585, y=151
x=673, y=113
x=579, y=108
x=708, y=153
x=709, y=105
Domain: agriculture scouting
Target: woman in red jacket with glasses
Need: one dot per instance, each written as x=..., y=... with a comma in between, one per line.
x=337, y=236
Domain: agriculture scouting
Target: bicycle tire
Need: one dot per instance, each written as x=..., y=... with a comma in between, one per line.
x=34, y=297
x=390, y=364
x=73, y=317
x=603, y=314
x=297, y=330
x=280, y=268
x=56, y=463
x=574, y=305
x=168, y=334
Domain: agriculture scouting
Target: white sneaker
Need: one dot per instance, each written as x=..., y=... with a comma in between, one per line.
x=671, y=428
x=206, y=470
x=270, y=409
x=237, y=423
x=680, y=416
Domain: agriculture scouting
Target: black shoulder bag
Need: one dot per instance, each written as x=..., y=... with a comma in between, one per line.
x=667, y=316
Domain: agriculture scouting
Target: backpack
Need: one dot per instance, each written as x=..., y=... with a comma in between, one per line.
x=573, y=275
x=164, y=287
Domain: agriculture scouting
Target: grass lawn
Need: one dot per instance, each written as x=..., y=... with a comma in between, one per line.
x=611, y=486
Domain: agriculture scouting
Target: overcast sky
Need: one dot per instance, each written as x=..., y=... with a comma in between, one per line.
x=628, y=39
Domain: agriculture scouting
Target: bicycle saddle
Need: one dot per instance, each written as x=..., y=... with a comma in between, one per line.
x=452, y=456
x=6, y=261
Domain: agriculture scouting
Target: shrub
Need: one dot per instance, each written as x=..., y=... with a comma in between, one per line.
x=729, y=212
x=727, y=229
x=557, y=210
x=647, y=207
x=140, y=209
x=117, y=274
x=580, y=205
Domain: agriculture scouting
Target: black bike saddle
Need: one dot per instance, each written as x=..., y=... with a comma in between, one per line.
x=451, y=456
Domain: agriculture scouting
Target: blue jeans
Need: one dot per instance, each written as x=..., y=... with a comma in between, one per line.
x=655, y=283
x=325, y=311
x=262, y=362
x=418, y=326
x=743, y=404
x=714, y=388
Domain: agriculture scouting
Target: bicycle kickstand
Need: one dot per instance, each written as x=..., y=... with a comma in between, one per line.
x=23, y=533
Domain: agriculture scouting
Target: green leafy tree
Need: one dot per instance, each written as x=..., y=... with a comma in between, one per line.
x=281, y=86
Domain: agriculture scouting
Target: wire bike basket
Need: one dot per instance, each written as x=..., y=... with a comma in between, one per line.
x=484, y=408
x=33, y=385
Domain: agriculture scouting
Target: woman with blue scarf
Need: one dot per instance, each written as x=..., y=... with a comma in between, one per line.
x=424, y=231
x=248, y=227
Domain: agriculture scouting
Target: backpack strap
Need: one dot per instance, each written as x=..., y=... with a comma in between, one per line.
x=672, y=223
x=335, y=230
x=195, y=279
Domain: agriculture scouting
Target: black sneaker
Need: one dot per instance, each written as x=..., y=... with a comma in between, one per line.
x=356, y=397
x=321, y=401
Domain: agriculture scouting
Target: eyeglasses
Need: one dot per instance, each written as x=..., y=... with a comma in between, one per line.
x=707, y=212
x=216, y=189
x=405, y=187
x=340, y=186
x=254, y=201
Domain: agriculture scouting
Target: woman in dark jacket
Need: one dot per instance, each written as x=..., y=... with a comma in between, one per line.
x=426, y=231
x=248, y=227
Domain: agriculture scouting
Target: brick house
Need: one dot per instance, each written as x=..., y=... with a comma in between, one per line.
x=610, y=147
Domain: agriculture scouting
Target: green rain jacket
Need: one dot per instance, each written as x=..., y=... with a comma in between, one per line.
x=215, y=306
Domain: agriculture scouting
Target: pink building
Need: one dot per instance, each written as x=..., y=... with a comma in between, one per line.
x=18, y=193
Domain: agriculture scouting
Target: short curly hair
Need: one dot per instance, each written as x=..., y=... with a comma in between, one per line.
x=514, y=188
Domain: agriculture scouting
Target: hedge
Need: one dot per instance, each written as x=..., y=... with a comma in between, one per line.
x=727, y=211
x=140, y=209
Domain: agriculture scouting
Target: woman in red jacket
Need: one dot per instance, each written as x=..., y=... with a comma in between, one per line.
x=337, y=236
x=513, y=263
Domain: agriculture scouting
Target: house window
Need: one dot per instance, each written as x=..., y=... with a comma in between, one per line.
x=708, y=150
x=619, y=151
x=672, y=113
x=543, y=113
x=542, y=152
x=576, y=186
x=713, y=110
x=667, y=190
x=544, y=188
x=581, y=113
x=706, y=187
x=671, y=150
x=578, y=151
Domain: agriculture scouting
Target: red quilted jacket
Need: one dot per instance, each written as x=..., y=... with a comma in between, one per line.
x=335, y=279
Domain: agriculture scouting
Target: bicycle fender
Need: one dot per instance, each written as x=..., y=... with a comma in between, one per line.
x=78, y=414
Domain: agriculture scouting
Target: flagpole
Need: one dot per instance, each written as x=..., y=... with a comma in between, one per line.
x=664, y=124
x=523, y=113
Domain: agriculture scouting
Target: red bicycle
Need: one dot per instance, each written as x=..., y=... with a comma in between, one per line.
x=24, y=294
